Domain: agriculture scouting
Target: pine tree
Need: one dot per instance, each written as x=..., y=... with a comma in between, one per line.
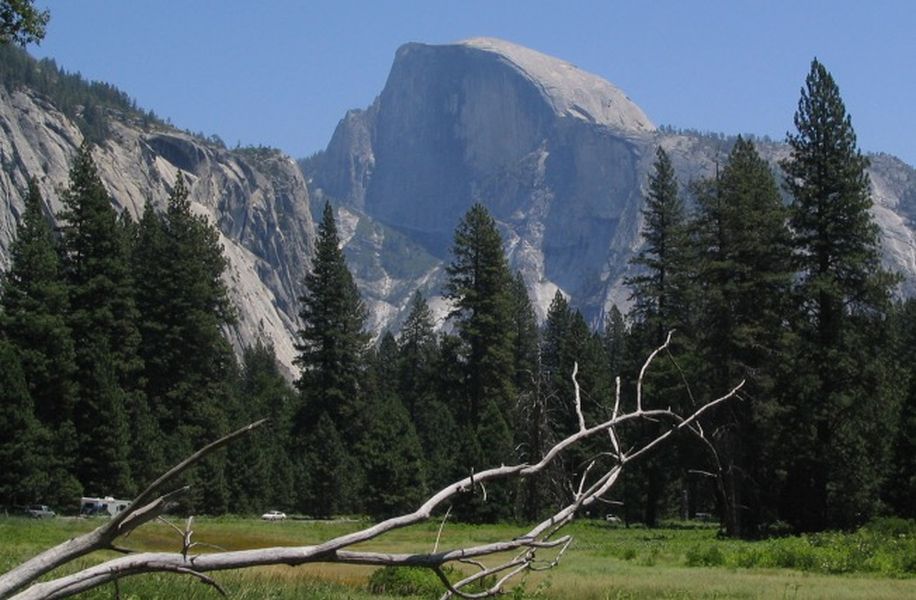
x=264, y=393
x=479, y=287
x=332, y=350
x=332, y=340
x=184, y=305
x=839, y=408
x=33, y=308
x=103, y=320
x=744, y=264
x=900, y=484
x=419, y=375
x=390, y=449
x=23, y=440
x=660, y=293
x=615, y=340
x=662, y=296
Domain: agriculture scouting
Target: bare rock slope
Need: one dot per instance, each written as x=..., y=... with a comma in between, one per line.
x=257, y=198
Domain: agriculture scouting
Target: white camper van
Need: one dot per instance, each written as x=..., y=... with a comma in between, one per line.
x=107, y=506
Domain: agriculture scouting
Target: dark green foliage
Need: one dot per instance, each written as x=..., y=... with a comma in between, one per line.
x=21, y=23
x=663, y=297
x=183, y=303
x=525, y=336
x=615, y=339
x=33, y=308
x=839, y=408
x=900, y=484
x=744, y=266
x=260, y=470
x=332, y=341
x=479, y=284
x=419, y=372
x=332, y=350
x=393, y=460
x=328, y=477
x=24, y=451
x=660, y=293
x=103, y=320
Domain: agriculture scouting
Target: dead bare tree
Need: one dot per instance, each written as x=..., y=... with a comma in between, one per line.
x=21, y=582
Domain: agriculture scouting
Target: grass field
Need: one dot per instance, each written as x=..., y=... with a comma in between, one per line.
x=605, y=562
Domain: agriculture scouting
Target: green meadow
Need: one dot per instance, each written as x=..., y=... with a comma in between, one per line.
x=605, y=562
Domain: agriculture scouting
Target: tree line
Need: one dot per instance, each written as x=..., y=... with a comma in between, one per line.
x=114, y=364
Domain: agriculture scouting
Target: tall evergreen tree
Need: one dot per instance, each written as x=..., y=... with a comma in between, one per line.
x=332, y=340
x=479, y=287
x=33, y=309
x=419, y=377
x=660, y=292
x=189, y=365
x=838, y=415
x=332, y=350
x=103, y=320
x=24, y=450
x=264, y=392
x=615, y=340
x=745, y=270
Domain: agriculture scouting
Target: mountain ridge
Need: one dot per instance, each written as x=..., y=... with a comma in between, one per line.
x=455, y=124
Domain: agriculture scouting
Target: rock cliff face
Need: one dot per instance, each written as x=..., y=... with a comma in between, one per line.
x=257, y=199
x=559, y=156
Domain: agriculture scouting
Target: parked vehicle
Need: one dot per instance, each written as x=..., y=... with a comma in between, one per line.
x=40, y=511
x=106, y=507
x=274, y=515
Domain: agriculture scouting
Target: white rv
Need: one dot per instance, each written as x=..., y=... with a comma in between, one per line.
x=107, y=506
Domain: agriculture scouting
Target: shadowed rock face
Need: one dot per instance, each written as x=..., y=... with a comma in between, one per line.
x=257, y=199
x=560, y=157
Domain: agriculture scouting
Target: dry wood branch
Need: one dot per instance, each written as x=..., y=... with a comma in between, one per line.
x=594, y=484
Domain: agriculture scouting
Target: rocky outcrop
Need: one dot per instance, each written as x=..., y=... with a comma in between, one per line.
x=560, y=157
x=257, y=198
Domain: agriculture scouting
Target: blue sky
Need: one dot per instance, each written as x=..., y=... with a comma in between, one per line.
x=283, y=72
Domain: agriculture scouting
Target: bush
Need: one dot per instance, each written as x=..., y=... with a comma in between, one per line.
x=405, y=581
x=705, y=556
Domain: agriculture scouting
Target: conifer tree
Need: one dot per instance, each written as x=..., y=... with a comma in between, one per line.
x=615, y=340
x=662, y=295
x=23, y=441
x=525, y=335
x=660, y=292
x=189, y=365
x=332, y=348
x=332, y=341
x=264, y=392
x=419, y=377
x=390, y=449
x=838, y=415
x=479, y=287
x=744, y=264
x=102, y=319
x=33, y=308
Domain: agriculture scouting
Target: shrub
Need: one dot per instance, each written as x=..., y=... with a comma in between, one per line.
x=705, y=556
x=405, y=581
